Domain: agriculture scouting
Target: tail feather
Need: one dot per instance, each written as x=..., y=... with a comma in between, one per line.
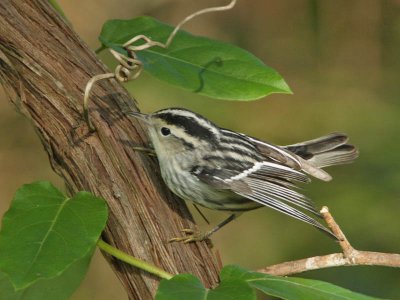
x=326, y=151
x=344, y=154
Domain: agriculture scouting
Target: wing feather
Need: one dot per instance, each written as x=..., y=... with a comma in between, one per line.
x=268, y=169
x=280, y=193
x=282, y=155
x=267, y=183
x=286, y=209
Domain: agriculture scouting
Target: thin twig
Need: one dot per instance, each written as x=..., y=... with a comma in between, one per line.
x=347, y=249
x=349, y=256
x=88, y=88
x=200, y=12
x=333, y=260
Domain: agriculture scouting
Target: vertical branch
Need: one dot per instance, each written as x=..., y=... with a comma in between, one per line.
x=45, y=67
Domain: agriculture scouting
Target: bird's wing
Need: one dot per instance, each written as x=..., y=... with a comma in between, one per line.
x=287, y=158
x=266, y=183
x=269, y=150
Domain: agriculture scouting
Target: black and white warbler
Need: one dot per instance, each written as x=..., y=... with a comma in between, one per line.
x=224, y=170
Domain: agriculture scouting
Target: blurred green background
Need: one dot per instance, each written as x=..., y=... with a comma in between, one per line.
x=342, y=61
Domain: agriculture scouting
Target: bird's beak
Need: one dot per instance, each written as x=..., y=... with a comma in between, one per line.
x=140, y=116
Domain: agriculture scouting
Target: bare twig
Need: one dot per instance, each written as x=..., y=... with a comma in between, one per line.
x=88, y=88
x=349, y=256
x=348, y=250
x=200, y=12
x=333, y=260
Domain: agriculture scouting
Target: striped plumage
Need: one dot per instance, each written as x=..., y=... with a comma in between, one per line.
x=225, y=170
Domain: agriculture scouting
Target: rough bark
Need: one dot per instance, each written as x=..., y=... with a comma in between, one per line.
x=44, y=67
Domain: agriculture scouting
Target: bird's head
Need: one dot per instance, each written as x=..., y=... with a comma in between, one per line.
x=175, y=130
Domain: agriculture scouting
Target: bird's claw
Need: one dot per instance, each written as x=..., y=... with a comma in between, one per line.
x=191, y=236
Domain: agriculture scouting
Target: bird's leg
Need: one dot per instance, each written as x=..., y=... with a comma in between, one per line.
x=201, y=213
x=193, y=236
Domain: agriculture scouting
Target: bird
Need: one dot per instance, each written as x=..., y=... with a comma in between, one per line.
x=224, y=170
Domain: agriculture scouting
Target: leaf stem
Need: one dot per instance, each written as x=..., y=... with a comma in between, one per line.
x=133, y=261
x=101, y=48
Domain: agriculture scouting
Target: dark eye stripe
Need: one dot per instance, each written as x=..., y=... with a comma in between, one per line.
x=190, y=125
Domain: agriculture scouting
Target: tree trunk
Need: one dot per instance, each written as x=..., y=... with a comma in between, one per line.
x=44, y=67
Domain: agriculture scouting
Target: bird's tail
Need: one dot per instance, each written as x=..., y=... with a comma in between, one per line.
x=326, y=151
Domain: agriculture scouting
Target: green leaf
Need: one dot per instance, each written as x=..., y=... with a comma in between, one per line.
x=181, y=287
x=232, y=289
x=44, y=232
x=60, y=287
x=201, y=65
x=233, y=285
x=300, y=288
x=6, y=288
x=230, y=272
x=291, y=287
x=240, y=284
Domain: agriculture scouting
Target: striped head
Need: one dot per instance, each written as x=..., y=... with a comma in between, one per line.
x=175, y=130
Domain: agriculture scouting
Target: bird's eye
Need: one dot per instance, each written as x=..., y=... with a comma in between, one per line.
x=165, y=131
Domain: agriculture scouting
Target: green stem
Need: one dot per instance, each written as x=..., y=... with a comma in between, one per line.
x=133, y=260
x=101, y=48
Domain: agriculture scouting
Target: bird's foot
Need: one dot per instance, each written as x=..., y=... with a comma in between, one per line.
x=191, y=236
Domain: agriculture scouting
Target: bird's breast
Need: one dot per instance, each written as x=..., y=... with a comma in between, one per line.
x=179, y=179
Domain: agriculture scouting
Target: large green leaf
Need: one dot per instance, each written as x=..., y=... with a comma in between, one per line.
x=60, y=287
x=45, y=232
x=239, y=284
x=209, y=67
